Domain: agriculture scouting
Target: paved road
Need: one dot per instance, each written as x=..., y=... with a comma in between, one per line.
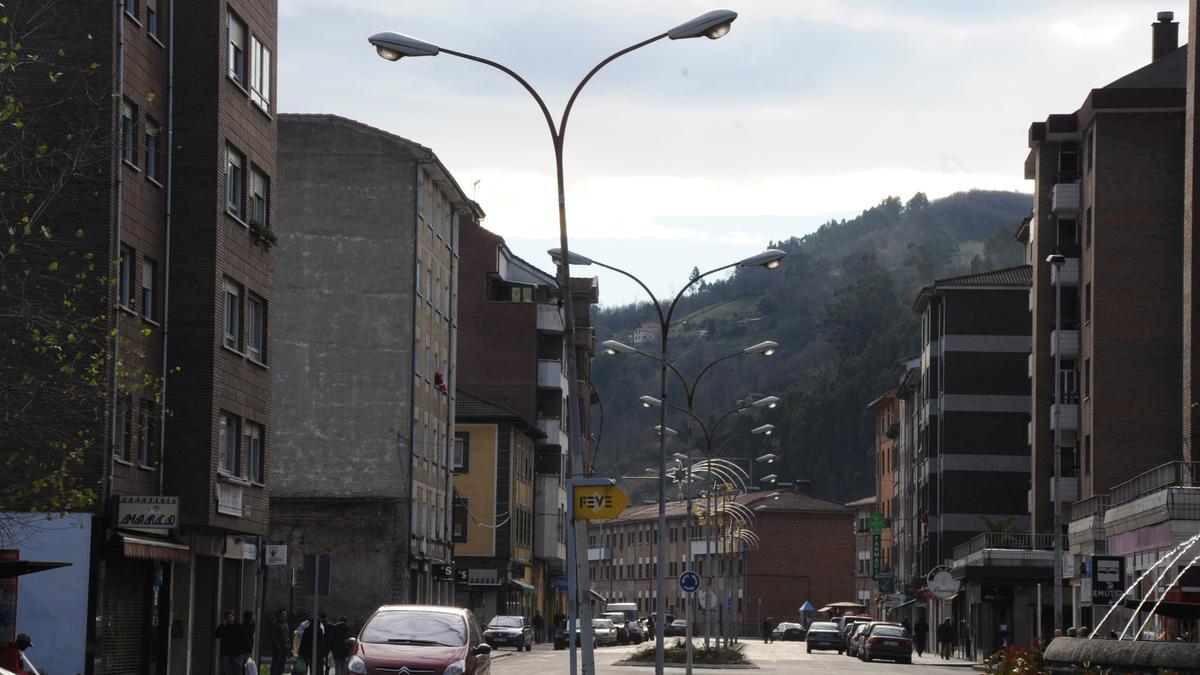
x=773, y=659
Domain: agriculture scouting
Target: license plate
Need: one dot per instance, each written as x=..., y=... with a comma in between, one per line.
x=891, y=643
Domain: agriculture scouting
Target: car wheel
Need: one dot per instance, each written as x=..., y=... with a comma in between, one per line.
x=809, y=649
x=839, y=652
x=528, y=648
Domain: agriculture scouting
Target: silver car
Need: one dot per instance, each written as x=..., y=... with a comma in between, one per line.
x=605, y=632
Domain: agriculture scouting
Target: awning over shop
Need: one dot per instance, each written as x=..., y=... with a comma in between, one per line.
x=598, y=597
x=525, y=588
x=152, y=548
x=901, y=605
x=16, y=568
x=1177, y=610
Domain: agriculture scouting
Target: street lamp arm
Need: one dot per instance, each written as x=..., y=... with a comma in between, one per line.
x=689, y=284
x=653, y=298
x=691, y=392
x=554, y=133
x=562, y=129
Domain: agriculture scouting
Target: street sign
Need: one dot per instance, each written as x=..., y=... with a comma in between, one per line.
x=275, y=554
x=1108, y=579
x=317, y=574
x=708, y=600
x=877, y=523
x=689, y=581
x=598, y=502
x=943, y=584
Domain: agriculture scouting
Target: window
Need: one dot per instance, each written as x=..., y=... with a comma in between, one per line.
x=252, y=442
x=230, y=452
x=260, y=74
x=149, y=276
x=256, y=329
x=420, y=194
x=233, y=315
x=420, y=274
x=128, y=127
x=130, y=7
x=153, y=131
x=122, y=428
x=237, y=50
x=1087, y=378
x=1087, y=229
x=1087, y=302
x=153, y=22
x=147, y=432
x=125, y=272
x=462, y=452
x=258, y=196
x=234, y=182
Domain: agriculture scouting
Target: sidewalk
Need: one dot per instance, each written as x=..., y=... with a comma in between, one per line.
x=932, y=659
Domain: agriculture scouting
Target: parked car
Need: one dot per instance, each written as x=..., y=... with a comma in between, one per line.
x=846, y=624
x=823, y=635
x=561, y=639
x=854, y=637
x=605, y=632
x=678, y=627
x=634, y=625
x=788, y=631
x=887, y=641
x=420, y=638
x=859, y=635
x=509, y=631
x=620, y=624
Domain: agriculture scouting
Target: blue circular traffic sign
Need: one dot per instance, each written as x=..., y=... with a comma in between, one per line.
x=689, y=581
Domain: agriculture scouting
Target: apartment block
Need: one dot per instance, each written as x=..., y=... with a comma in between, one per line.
x=170, y=194
x=365, y=368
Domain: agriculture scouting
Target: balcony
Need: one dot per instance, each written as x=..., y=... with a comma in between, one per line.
x=549, y=523
x=1065, y=199
x=1068, y=340
x=552, y=427
x=1164, y=493
x=1006, y=549
x=549, y=318
x=1070, y=489
x=550, y=374
x=1069, y=271
x=1067, y=414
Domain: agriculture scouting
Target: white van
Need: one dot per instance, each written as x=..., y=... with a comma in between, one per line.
x=637, y=632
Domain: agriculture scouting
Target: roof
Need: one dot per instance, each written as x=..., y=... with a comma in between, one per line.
x=865, y=501
x=1020, y=276
x=469, y=406
x=1168, y=72
x=789, y=500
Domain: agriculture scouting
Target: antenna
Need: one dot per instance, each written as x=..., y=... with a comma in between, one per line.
x=474, y=189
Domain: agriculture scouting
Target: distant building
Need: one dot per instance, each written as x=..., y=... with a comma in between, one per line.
x=888, y=411
x=867, y=558
x=365, y=365
x=645, y=333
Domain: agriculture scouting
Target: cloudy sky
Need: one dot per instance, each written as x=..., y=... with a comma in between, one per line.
x=698, y=152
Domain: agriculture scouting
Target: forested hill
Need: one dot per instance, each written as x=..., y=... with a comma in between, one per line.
x=841, y=308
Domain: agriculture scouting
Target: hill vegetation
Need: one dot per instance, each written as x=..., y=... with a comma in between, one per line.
x=841, y=308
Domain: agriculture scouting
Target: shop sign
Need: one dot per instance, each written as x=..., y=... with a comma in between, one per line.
x=147, y=512
x=943, y=585
x=1108, y=579
x=443, y=572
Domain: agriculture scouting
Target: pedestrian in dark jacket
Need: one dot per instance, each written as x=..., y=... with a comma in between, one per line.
x=318, y=629
x=339, y=632
x=920, y=635
x=248, y=625
x=766, y=630
x=539, y=628
x=233, y=645
x=279, y=641
x=945, y=638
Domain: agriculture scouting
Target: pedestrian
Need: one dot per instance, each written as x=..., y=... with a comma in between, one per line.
x=248, y=626
x=279, y=640
x=232, y=637
x=12, y=654
x=920, y=635
x=308, y=630
x=339, y=633
x=964, y=632
x=766, y=630
x=539, y=628
x=945, y=638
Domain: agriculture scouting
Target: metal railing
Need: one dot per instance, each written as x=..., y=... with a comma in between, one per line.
x=1005, y=540
x=1171, y=474
x=1096, y=504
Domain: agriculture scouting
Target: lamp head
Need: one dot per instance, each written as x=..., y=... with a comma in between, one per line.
x=768, y=458
x=770, y=402
x=769, y=478
x=766, y=348
x=764, y=430
x=770, y=259
x=658, y=428
x=572, y=258
x=649, y=402
x=394, y=46
x=1056, y=259
x=712, y=25
x=614, y=347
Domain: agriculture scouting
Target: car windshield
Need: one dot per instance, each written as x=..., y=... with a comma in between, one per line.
x=416, y=628
x=889, y=631
x=601, y=623
x=506, y=622
x=679, y=622
x=823, y=625
x=617, y=619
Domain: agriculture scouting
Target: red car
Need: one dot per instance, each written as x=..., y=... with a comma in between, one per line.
x=421, y=639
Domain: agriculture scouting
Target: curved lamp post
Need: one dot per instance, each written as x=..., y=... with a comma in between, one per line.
x=395, y=46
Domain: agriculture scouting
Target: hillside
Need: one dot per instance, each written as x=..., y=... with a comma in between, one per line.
x=840, y=307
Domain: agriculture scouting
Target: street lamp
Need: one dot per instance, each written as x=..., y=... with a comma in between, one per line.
x=1057, y=261
x=714, y=24
x=769, y=458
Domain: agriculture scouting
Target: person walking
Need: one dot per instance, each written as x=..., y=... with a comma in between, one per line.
x=310, y=630
x=539, y=628
x=920, y=635
x=233, y=645
x=339, y=633
x=248, y=627
x=964, y=633
x=945, y=638
x=279, y=641
x=766, y=630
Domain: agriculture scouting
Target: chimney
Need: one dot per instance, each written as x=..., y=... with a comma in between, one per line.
x=1166, y=35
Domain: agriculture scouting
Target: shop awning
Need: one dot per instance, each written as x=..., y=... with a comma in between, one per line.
x=152, y=548
x=598, y=597
x=1186, y=611
x=901, y=605
x=16, y=568
x=526, y=589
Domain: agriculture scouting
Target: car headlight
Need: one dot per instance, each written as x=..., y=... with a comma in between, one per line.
x=457, y=668
x=357, y=665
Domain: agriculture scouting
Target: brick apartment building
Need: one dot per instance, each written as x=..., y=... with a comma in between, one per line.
x=806, y=555
x=888, y=411
x=866, y=577
x=173, y=195
x=365, y=369
x=513, y=352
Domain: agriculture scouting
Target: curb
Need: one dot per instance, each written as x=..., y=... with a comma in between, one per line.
x=695, y=666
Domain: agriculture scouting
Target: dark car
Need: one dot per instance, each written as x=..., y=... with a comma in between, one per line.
x=846, y=625
x=854, y=637
x=420, y=638
x=823, y=635
x=788, y=631
x=887, y=641
x=509, y=631
x=677, y=628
